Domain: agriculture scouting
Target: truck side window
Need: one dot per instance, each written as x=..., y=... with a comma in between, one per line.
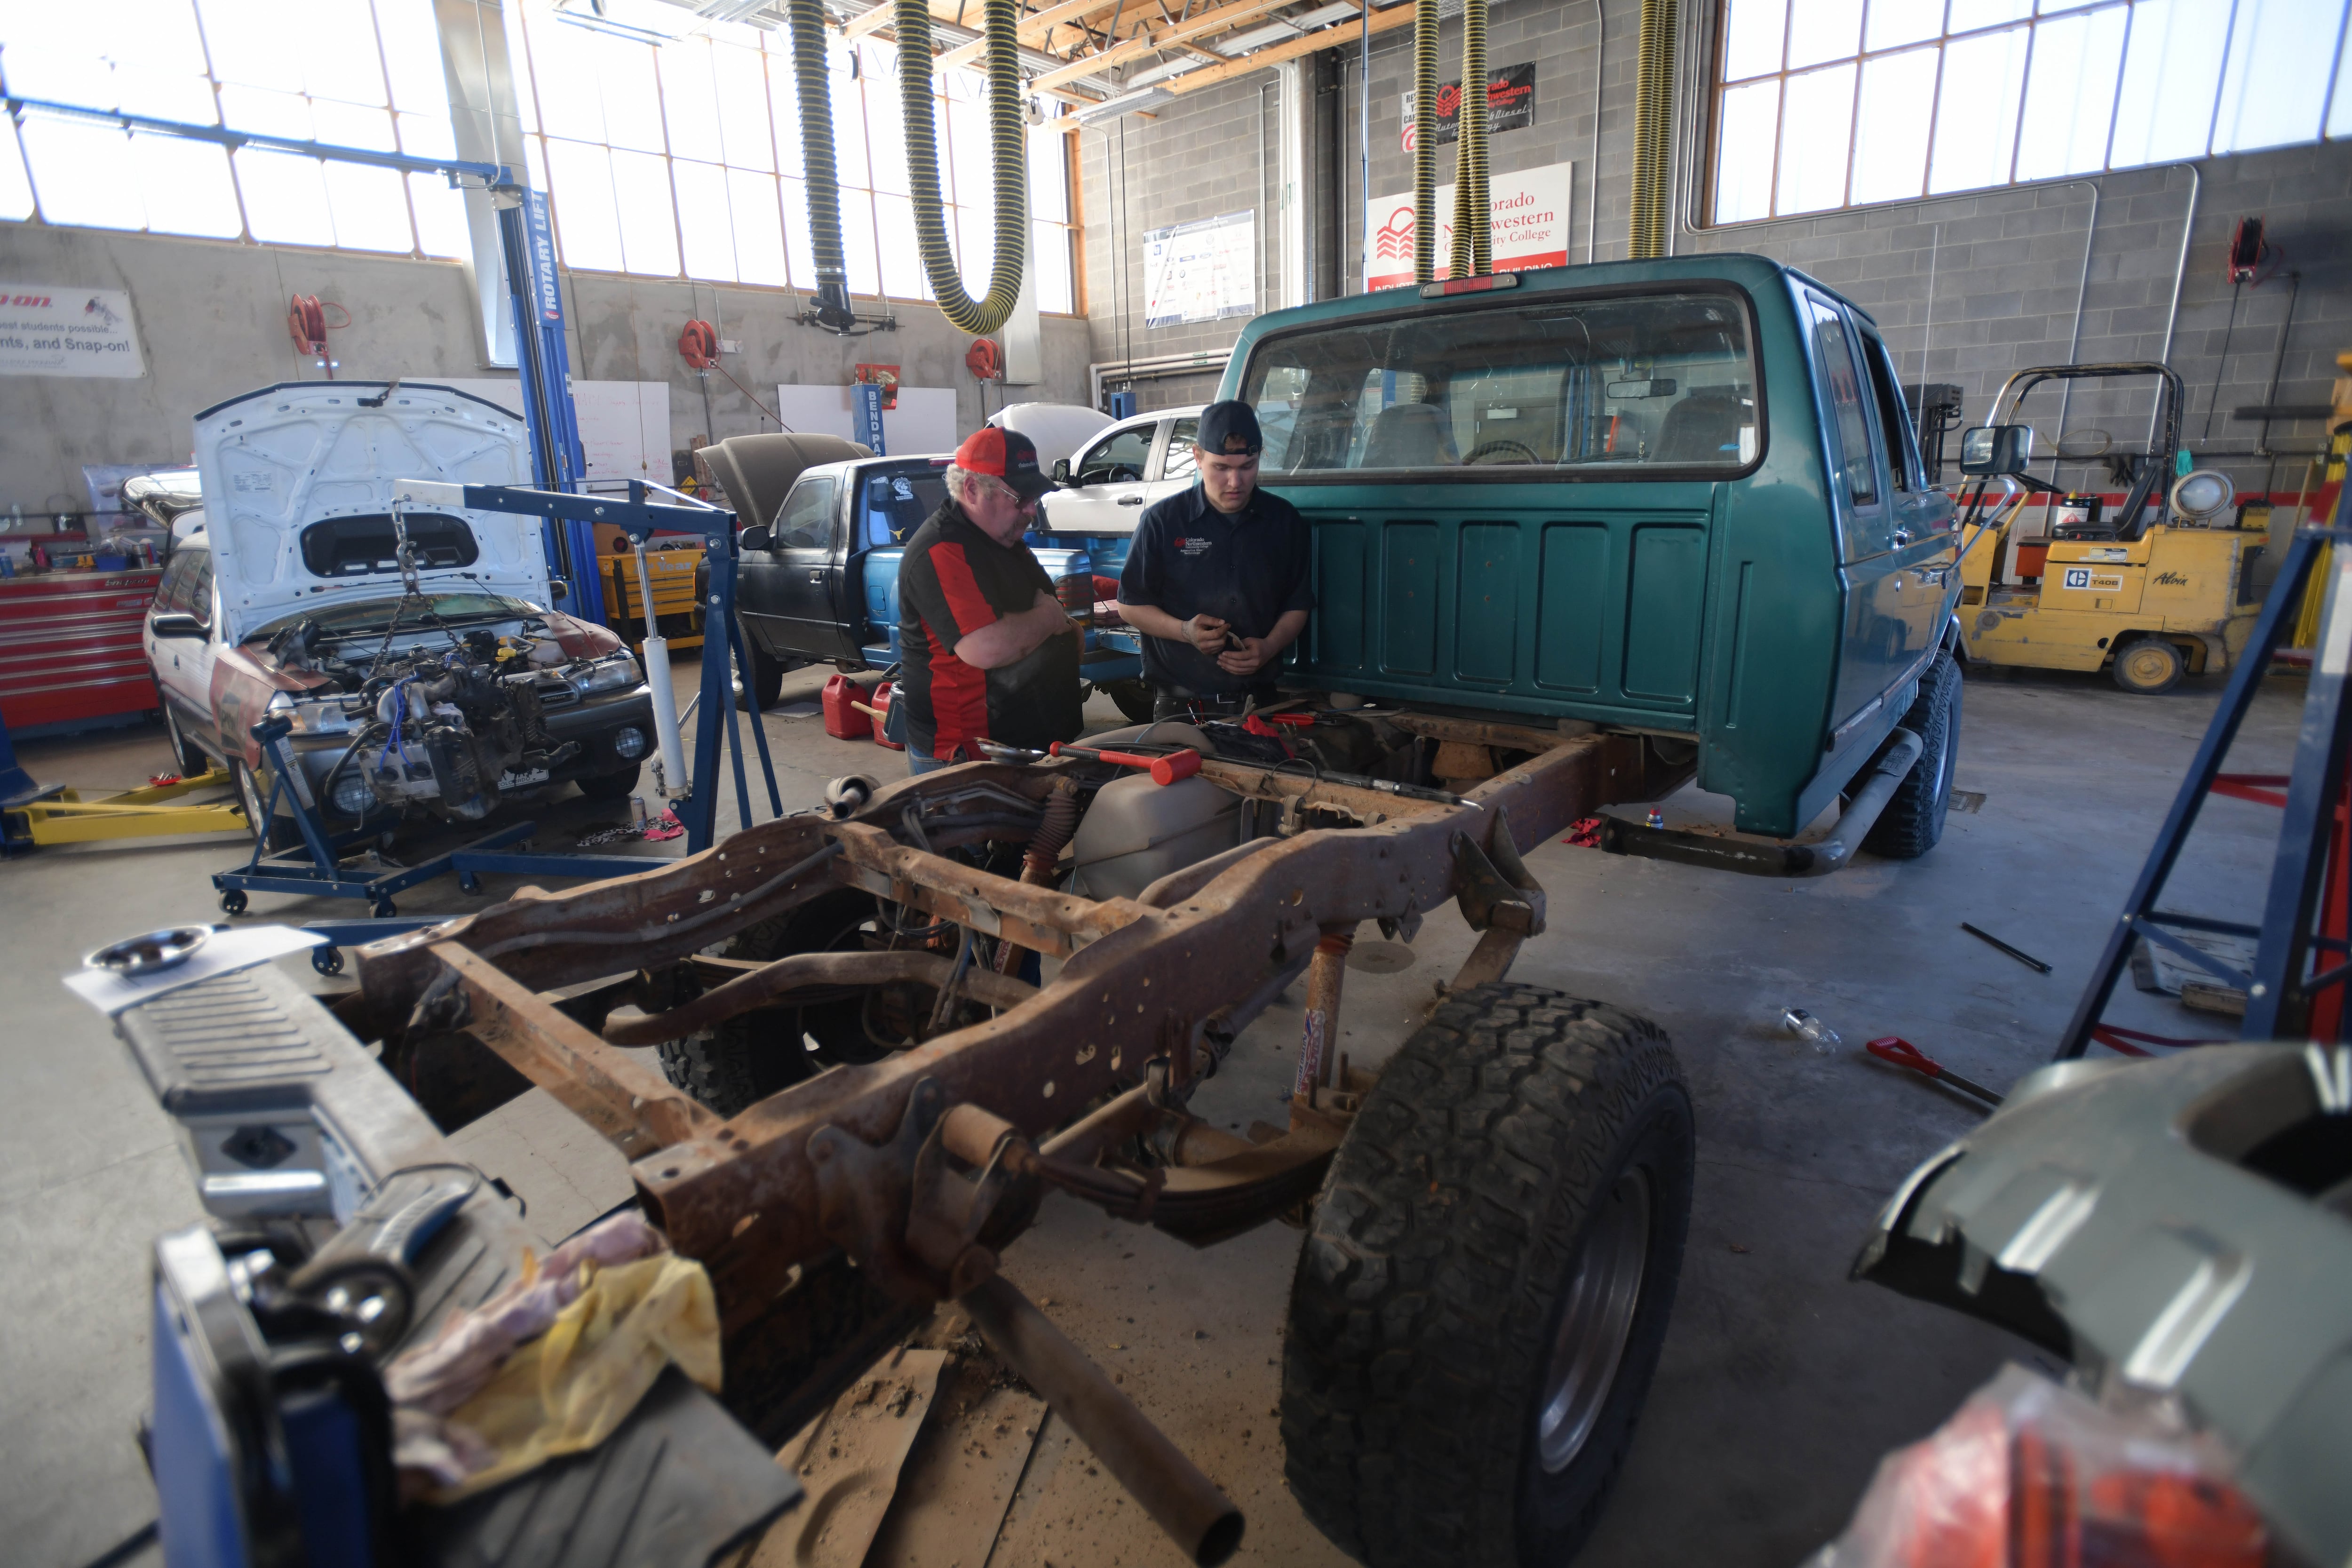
x=1118, y=457
x=1841, y=383
x=1902, y=454
x=805, y=520
x=1180, y=442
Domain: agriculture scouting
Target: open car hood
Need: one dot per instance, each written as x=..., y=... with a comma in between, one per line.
x=273, y=462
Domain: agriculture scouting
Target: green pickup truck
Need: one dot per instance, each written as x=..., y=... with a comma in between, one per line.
x=1677, y=498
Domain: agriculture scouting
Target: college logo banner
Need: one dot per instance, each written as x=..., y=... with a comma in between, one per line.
x=1528, y=223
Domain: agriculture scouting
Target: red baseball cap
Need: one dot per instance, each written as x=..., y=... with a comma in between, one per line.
x=1005, y=454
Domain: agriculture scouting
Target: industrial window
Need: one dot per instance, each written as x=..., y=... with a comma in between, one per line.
x=1821, y=104
x=356, y=73
x=681, y=158
x=684, y=159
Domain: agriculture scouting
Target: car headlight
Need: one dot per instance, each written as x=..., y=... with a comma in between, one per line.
x=615, y=674
x=312, y=716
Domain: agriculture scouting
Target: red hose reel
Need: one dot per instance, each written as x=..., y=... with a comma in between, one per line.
x=984, y=359
x=307, y=324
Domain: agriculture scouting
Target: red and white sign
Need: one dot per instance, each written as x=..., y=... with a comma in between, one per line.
x=1529, y=221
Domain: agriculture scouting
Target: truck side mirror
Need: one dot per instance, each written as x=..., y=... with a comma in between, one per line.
x=558, y=589
x=176, y=624
x=1990, y=449
x=1062, y=471
x=755, y=537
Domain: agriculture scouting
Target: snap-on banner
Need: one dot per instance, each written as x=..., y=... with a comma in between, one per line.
x=1529, y=225
x=1511, y=105
x=48, y=330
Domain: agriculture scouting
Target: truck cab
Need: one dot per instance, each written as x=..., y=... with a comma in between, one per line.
x=1678, y=497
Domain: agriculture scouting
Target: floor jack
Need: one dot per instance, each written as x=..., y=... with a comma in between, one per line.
x=33, y=815
x=319, y=866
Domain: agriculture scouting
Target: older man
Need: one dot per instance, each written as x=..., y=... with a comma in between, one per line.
x=1217, y=577
x=987, y=652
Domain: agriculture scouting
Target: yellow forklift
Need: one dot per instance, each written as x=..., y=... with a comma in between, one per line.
x=2157, y=590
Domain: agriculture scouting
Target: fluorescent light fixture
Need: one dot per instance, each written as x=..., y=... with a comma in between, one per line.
x=1256, y=38
x=1126, y=103
x=1323, y=16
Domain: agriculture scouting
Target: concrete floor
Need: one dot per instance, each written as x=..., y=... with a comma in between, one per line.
x=1782, y=1383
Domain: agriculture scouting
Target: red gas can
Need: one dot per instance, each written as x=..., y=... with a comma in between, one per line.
x=882, y=697
x=842, y=722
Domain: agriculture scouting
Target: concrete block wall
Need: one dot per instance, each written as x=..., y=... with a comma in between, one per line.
x=1967, y=288
x=212, y=323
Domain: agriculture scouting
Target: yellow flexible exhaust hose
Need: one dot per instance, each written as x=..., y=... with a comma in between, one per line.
x=815, y=100
x=1474, y=233
x=1652, y=130
x=1424, y=141
x=999, y=20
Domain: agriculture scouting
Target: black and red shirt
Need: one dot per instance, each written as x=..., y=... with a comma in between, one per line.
x=955, y=579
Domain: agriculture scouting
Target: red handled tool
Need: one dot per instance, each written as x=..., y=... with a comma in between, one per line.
x=1904, y=1054
x=1164, y=770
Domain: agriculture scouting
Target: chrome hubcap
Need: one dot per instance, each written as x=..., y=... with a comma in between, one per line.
x=1595, y=1321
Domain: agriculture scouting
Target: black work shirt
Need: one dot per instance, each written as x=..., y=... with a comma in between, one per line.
x=955, y=579
x=1248, y=570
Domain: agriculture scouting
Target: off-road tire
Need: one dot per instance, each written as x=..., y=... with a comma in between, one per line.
x=1438, y=1265
x=752, y=1055
x=1133, y=698
x=2146, y=666
x=1914, y=820
x=615, y=785
x=277, y=834
x=763, y=677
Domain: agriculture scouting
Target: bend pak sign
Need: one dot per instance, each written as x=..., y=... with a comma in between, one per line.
x=1530, y=226
x=46, y=330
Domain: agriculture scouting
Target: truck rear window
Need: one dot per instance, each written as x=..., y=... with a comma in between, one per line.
x=1652, y=382
x=362, y=546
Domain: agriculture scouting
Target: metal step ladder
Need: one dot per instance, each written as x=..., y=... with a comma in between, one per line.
x=2296, y=988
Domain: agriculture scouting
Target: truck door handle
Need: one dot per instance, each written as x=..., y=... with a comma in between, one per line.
x=1901, y=536
x=816, y=577
x=1130, y=501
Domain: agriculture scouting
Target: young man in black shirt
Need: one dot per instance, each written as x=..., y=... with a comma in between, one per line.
x=986, y=650
x=1217, y=577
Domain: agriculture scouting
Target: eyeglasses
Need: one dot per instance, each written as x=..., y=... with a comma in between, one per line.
x=999, y=487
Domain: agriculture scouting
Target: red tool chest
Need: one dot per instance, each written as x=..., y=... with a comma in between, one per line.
x=69, y=646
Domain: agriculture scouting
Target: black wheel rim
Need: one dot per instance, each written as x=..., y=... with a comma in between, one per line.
x=1596, y=1320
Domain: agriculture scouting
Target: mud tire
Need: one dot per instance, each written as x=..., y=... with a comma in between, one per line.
x=1442, y=1262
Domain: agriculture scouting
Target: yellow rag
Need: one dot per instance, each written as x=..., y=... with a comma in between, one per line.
x=570, y=1387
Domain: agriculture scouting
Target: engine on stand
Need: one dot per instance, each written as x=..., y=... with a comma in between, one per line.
x=452, y=726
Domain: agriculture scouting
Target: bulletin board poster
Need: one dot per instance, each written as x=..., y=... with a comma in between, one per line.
x=50, y=329
x=1530, y=226
x=1201, y=271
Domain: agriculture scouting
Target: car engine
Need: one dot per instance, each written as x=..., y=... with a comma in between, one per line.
x=446, y=727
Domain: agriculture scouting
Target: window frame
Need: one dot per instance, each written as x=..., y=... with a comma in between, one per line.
x=1490, y=474
x=1707, y=166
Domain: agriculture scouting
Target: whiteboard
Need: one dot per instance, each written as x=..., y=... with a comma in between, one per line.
x=922, y=426
x=1200, y=271
x=624, y=425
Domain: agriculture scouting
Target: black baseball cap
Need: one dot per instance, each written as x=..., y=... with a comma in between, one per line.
x=1005, y=454
x=1222, y=423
